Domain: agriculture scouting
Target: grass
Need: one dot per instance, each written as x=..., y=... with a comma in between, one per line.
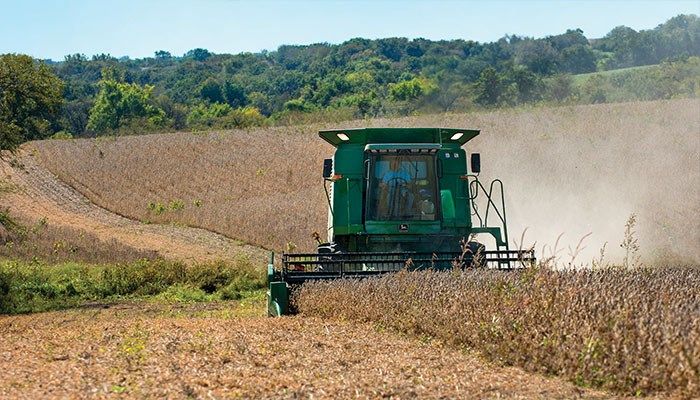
x=667, y=80
x=634, y=331
x=32, y=287
x=566, y=169
x=6, y=187
x=580, y=78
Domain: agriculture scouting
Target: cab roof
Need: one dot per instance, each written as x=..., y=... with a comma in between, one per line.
x=364, y=136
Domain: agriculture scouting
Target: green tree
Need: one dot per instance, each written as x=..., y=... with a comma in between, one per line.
x=449, y=92
x=117, y=103
x=243, y=117
x=488, y=88
x=366, y=76
x=198, y=54
x=175, y=113
x=261, y=101
x=624, y=42
x=392, y=48
x=75, y=114
x=223, y=116
x=207, y=114
x=578, y=59
x=74, y=64
x=234, y=94
x=163, y=55
x=365, y=103
x=30, y=100
x=211, y=91
x=538, y=55
x=297, y=105
x=411, y=89
x=572, y=37
x=525, y=85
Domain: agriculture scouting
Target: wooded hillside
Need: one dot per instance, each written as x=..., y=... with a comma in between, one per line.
x=362, y=77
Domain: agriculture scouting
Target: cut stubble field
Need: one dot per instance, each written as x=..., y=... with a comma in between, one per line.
x=200, y=351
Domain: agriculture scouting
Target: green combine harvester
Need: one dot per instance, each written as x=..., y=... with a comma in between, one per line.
x=400, y=198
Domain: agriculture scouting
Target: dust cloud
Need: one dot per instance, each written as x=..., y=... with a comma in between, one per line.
x=579, y=170
x=574, y=173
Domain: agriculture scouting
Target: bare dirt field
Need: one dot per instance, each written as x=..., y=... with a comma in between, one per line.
x=209, y=351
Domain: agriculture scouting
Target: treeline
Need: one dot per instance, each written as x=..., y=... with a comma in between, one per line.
x=358, y=78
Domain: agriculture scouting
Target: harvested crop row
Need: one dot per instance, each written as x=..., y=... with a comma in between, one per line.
x=208, y=351
x=632, y=331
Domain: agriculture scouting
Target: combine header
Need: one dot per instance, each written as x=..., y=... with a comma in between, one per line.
x=400, y=198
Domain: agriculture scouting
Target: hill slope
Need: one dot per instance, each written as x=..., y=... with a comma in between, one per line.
x=34, y=193
x=571, y=170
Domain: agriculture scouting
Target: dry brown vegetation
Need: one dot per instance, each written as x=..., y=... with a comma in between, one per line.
x=60, y=224
x=209, y=351
x=634, y=331
x=40, y=240
x=570, y=169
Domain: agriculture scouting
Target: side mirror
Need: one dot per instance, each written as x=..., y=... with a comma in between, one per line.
x=327, y=167
x=476, y=163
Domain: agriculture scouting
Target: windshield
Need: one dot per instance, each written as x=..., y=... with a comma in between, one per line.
x=402, y=187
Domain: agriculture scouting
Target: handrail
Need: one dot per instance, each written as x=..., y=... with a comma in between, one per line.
x=347, y=203
x=328, y=196
x=473, y=194
x=503, y=208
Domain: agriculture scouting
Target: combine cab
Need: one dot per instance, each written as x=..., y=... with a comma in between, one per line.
x=400, y=198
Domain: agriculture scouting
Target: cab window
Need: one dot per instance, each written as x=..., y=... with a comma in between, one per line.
x=402, y=188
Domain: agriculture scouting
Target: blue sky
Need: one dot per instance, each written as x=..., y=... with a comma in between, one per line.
x=53, y=28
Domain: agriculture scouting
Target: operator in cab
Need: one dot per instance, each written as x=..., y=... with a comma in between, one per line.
x=402, y=188
x=395, y=184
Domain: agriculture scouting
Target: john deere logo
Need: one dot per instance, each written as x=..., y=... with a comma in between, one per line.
x=403, y=227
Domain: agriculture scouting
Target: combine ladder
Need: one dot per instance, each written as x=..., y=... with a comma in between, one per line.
x=503, y=256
